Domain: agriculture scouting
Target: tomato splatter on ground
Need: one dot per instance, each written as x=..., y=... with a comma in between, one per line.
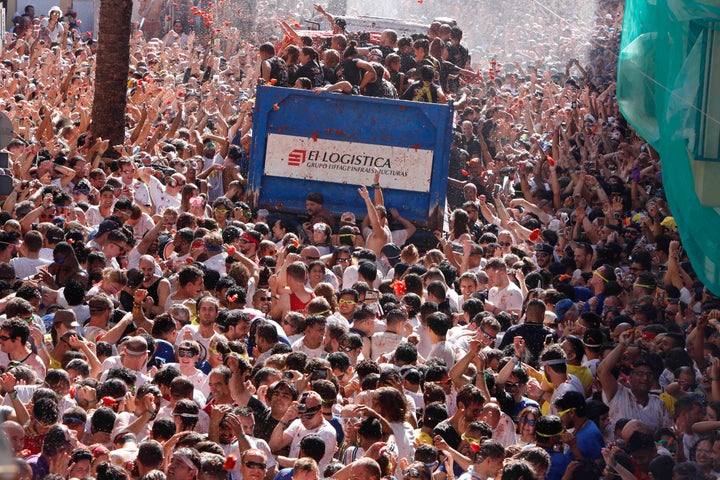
x=315, y=136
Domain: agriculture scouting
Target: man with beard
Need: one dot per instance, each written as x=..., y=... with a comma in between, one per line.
x=158, y=288
x=262, y=300
x=179, y=249
x=488, y=461
x=503, y=296
x=233, y=431
x=248, y=243
x=294, y=425
x=208, y=308
x=571, y=410
x=470, y=401
x=279, y=397
x=544, y=256
x=635, y=401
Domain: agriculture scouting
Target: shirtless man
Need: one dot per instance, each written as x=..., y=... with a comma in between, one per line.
x=380, y=235
x=158, y=287
x=289, y=289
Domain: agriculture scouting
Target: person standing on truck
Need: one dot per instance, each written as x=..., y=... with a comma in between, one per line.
x=425, y=89
x=421, y=46
x=273, y=67
x=309, y=67
x=351, y=69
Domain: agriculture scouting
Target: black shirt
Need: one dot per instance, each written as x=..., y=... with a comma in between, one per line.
x=312, y=71
x=448, y=433
x=534, y=335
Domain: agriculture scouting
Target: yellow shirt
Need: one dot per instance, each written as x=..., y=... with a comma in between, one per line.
x=583, y=374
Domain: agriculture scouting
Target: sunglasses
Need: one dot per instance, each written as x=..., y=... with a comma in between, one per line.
x=469, y=439
x=260, y=465
x=4, y=338
x=343, y=260
x=504, y=244
x=512, y=384
x=488, y=336
x=343, y=301
x=530, y=422
x=186, y=353
x=310, y=414
x=222, y=210
x=346, y=348
x=264, y=299
x=310, y=259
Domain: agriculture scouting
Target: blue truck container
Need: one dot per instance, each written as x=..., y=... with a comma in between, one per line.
x=331, y=143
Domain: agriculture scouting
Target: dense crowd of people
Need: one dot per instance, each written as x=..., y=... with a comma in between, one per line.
x=155, y=326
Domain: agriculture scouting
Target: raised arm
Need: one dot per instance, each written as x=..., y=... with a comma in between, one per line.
x=372, y=213
x=605, y=368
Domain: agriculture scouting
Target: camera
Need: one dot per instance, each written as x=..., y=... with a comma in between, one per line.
x=319, y=374
x=302, y=408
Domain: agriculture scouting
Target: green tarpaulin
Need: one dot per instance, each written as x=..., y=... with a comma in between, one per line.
x=668, y=90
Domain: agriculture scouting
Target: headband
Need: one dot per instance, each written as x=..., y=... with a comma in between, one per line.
x=649, y=335
x=186, y=460
x=557, y=361
x=550, y=434
x=186, y=415
x=246, y=236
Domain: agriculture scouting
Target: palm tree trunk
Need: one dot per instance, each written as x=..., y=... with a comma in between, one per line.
x=111, y=72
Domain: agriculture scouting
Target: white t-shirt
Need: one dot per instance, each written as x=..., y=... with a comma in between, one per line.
x=508, y=299
x=404, y=439
x=445, y=351
x=217, y=262
x=204, y=342
x=624, y=405
x=299, y=346
x=327, y=432
x=93, y=217
x=572, y=383
x=140, y=192
x=26, y=267
x=161, y=198
x=257, y=443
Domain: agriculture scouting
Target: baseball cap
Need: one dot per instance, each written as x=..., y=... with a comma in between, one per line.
x=66, y=317
x=544, y=247
x=106, y=226
x=347, y=218
x=392, y=252
x=562, y=307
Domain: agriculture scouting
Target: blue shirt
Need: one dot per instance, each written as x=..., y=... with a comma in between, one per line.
x=590, y=441
x=558, y=464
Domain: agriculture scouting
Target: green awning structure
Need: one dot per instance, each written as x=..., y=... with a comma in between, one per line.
x=668, y=88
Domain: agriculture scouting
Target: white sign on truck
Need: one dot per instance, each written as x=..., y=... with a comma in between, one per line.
x=343, y=162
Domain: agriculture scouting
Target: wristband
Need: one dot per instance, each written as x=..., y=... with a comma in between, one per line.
x=284, y=424
x=152, y=415
x=375, y=185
